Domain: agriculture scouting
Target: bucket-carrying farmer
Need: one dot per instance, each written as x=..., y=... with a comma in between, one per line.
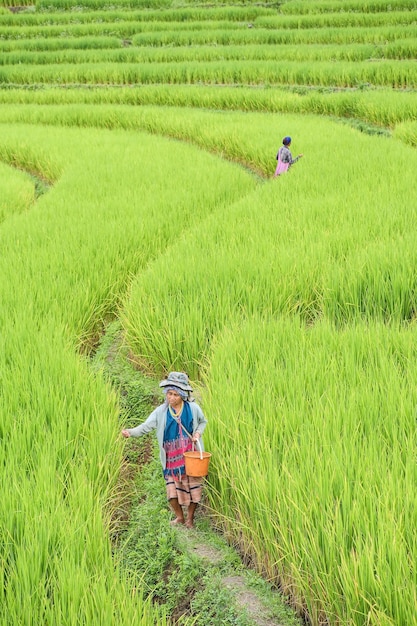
x=284, y=157
x=172, y=420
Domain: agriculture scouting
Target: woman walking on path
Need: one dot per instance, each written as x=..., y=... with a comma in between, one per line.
x=172, y=420
x=284, y=157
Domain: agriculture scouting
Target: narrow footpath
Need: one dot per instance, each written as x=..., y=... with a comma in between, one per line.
x=194, y=575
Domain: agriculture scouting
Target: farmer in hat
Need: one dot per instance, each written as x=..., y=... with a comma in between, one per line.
x=284, y=157
x=178, y=422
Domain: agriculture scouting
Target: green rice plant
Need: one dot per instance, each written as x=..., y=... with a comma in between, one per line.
x=295, y=7
x=75, y=28
x=381, y=282
x=385, y=73
x=192, y=126
x=5, y=4
x=56, y=561
x=165, y=10
x=354, y=52
x=383, y=108
x=45, y=164
x=17, y=191
x=59, y=17
x=338, y=275
x=64, y=265
x=379, y=107
x=312, y=438
x=302, y=289
x=156, y=28
x=407, y=132
x=199, y=33
x=110, y=29
x=227, y=35
x=68, y=5
x=49, y=44
x=345, y=19
x=144, y=16
x=130, y=194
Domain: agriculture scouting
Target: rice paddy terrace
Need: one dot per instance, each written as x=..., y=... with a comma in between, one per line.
x=137, y=153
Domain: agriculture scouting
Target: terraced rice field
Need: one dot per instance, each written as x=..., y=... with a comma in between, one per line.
x=137, y=153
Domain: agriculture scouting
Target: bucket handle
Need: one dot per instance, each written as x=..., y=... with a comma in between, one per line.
x=199, y=447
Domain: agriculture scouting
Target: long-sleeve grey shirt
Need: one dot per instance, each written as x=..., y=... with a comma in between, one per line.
x=157, y=421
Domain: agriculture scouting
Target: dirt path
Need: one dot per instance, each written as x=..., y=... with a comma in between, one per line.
x=257, y=607
x=194, y=573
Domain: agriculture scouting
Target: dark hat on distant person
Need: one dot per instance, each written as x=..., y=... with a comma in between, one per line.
x=176, y=379
x=286, y=141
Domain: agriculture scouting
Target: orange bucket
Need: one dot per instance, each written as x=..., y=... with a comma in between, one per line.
x=197, y=463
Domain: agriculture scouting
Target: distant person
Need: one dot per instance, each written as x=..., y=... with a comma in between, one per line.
x=178, y=422
x=284, y=157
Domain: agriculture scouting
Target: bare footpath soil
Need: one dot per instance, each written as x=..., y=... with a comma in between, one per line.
x=252, y=603
x=193, y=573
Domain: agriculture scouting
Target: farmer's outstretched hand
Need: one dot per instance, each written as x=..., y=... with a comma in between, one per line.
x=126, y=434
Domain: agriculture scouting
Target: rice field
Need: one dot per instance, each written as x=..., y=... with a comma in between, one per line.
x=137, y=153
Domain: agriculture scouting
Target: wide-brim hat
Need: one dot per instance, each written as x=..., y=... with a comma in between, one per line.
x=176, y=379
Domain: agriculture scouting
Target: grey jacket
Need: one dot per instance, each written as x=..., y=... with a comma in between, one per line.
x=157, y=421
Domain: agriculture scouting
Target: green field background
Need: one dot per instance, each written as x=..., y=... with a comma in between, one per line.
x=138, y=184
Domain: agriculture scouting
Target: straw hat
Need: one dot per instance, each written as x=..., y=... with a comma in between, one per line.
x=176, y=379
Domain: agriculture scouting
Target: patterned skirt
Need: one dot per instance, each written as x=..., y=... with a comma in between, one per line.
x=187, y=489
